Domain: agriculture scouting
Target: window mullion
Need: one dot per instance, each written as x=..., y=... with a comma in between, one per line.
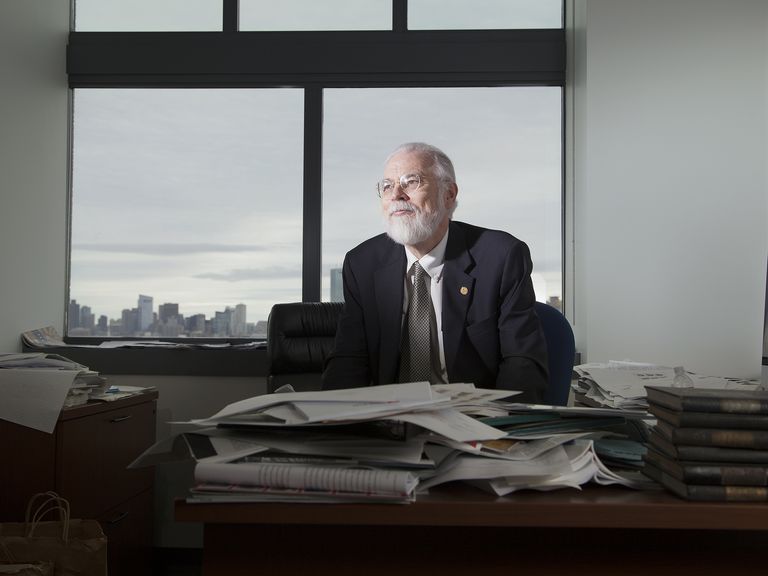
x=399, y=15
x=230, y=13
x=312, y=220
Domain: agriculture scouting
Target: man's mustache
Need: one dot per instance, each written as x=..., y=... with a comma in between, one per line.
x=402, y=205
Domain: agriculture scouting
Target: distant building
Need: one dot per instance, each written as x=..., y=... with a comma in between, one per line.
x=130, y=322
x=222, y=322
x=115, y=327
x=73, y=315
x=260, y=329
x=145, y=313
x=337, y=286
x=239, y=326
x=195, y=325
x=87, y=319
x=170, y=329
x=166, y=312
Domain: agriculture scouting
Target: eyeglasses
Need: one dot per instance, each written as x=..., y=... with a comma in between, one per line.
x=409, y=183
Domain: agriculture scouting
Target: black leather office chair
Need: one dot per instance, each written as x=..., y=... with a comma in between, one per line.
x=300, y=336
x=561, y=350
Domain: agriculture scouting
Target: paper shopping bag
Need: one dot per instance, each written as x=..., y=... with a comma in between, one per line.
x=10, y=567
x=75, y=547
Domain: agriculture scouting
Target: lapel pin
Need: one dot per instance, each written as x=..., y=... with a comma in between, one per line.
x=464, y=290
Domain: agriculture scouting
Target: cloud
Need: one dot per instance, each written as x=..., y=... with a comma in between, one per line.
x=244, y=274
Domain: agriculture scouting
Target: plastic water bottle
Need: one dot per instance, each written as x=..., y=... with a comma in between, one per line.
x=681, y=379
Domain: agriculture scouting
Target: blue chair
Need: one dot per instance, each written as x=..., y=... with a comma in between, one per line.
x=561, y=349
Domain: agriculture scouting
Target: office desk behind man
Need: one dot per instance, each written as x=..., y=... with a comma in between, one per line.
x=460, y=530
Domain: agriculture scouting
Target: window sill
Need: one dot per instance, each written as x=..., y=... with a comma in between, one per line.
x=167, y=361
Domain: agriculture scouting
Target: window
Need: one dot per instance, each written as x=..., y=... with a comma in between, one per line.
x=189, y=197
x=147, y=15
x=484, y=14
x=315, y=15
x=510, y=179
x=215, y=173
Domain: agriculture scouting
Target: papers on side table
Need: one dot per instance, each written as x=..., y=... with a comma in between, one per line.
x=34, y=387
x=621, y=385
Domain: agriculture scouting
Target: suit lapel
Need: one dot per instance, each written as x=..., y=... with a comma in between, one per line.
x=389, y=286
x=458, y=288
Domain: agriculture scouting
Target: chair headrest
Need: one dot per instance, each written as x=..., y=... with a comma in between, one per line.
x=300, y=335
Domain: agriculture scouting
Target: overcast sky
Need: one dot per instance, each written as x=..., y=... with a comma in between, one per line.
x=194, y=196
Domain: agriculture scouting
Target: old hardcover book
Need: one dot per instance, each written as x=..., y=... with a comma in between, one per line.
x=709, y=399
x=713, y=436
x=706, y=453
x=687, y=419
x=714, y=473
x=704, y=492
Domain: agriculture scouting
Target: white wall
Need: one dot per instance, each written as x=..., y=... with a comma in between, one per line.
x=33, y=166
x=670, y=182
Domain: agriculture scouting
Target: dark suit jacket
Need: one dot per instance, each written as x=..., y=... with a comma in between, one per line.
x=491, y=334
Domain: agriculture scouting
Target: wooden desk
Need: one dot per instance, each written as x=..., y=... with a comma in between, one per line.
x=460, y=530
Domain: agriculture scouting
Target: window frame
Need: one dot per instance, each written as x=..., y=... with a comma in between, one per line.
x=311, y=61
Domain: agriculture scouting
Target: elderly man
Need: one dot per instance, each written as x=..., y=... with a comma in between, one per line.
x=434, y=299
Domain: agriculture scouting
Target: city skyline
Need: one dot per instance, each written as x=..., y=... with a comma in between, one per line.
x=169, y=322
x=166, y=322
x=145, y=311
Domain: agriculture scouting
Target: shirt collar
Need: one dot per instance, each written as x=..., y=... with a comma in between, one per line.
x=433, y=261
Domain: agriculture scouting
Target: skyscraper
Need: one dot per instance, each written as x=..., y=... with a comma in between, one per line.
x=73, y=315
x=238, y=321
x=222, y=322
x=167, y=311
x=145, y=312
x=129, y=322
x=337, y=286
x=87, y=319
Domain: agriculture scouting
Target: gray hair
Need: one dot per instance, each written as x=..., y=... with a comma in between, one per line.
x=442, y=165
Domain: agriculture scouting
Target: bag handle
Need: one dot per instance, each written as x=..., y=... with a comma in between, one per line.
x=51, y=503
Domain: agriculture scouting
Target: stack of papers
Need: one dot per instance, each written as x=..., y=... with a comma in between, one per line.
x=34, y=387
x=388, y=443
x=622, y=385
x=85, y=383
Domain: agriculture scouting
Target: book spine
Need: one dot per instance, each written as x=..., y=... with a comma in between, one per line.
x=727, y=493
x=715, y=453
x=726, y=475
x=730, y=405
x=725, y=438
x=721, y=420
x=718, y=420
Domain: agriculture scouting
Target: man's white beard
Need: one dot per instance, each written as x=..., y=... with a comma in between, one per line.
x=412, y=229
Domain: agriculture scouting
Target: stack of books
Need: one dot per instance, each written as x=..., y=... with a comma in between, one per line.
x=709, y=444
